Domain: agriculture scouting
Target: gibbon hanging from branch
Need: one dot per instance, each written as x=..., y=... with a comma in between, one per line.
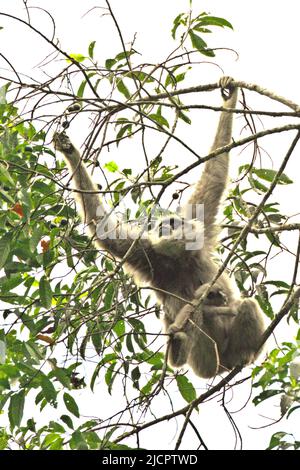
x=225, y=330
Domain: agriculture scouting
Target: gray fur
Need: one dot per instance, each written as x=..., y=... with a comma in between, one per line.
x=226, y=331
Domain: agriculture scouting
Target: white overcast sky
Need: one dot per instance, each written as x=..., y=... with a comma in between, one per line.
x=266, y=37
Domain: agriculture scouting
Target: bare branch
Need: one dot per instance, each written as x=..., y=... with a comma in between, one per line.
x=271, y=228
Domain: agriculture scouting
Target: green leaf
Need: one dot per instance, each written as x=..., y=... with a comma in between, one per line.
x=35, y=238
x=135, y=374
x=67, y=420
x=109, y=378
x=273, y=238
x=61, y=375
x=180, y=19
x=109, y=296
x=3, y=399
x=111, y=166
x=213, y=21
x=77, y=441
x=45, y=292
x=122, y=131
x=56, y=427
x=81, y=89
x=95, y=375
x=123, y=88
x=16, y=267
x=109, y=63
x=41, y=187
x=184, y=117
x=197, y=42
x=159, y=119
x=292, y=410
x=265, y=306
x=77, y=57
x=48, y=389
x=170, y=80
x=278, y=284
x=91, y=49
x=52, y=441
x=93, y=440
x=3, y=90
x=5, y=176
x=141, y=76
x=71, y=404
x=186, y=388
x=149, y=385
x=6, y=197
x=129, y=343
x=257, y=185
x=4, y=248
x=119, y=328
x=266, y=394
x=180, y=77
x=124, y=55
x=2, y=351
x=16, y=408
x=269, y=175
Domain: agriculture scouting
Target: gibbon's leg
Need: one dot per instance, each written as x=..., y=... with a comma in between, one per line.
x=229, y=335
x=215, y=297
x=189, y=343
x=213, y=181
x=208, y=336
x=179, y=340
x=204, y=356
x=244, y=335
x=220, y=337
x=178, y=343
x=179, y=349
x=117, y=239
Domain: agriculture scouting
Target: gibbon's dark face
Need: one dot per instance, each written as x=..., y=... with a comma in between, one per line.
x=170, y=224
x=216, y=298
x=177, y=228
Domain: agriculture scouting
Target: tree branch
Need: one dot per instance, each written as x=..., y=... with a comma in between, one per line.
x=214, y=86
x=271, y=228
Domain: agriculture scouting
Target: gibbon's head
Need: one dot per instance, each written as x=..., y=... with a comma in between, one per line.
x=177, y=234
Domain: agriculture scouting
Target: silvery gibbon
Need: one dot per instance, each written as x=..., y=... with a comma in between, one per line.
x=226, y=329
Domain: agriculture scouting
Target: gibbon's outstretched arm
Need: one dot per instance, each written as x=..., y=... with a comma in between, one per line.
x=226, y=330
x=210, y=188
x=105, y=231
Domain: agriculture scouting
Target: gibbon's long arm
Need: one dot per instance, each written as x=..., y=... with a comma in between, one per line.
x=105, y=231
x=211, y=186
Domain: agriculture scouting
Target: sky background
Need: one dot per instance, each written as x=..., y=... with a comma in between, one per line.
x=266, y=38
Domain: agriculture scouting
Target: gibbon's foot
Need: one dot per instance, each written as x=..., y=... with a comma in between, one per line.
x=180, y=345
x=62, y=142
x=227, y=87
x=204, y=356
x=173, y=329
